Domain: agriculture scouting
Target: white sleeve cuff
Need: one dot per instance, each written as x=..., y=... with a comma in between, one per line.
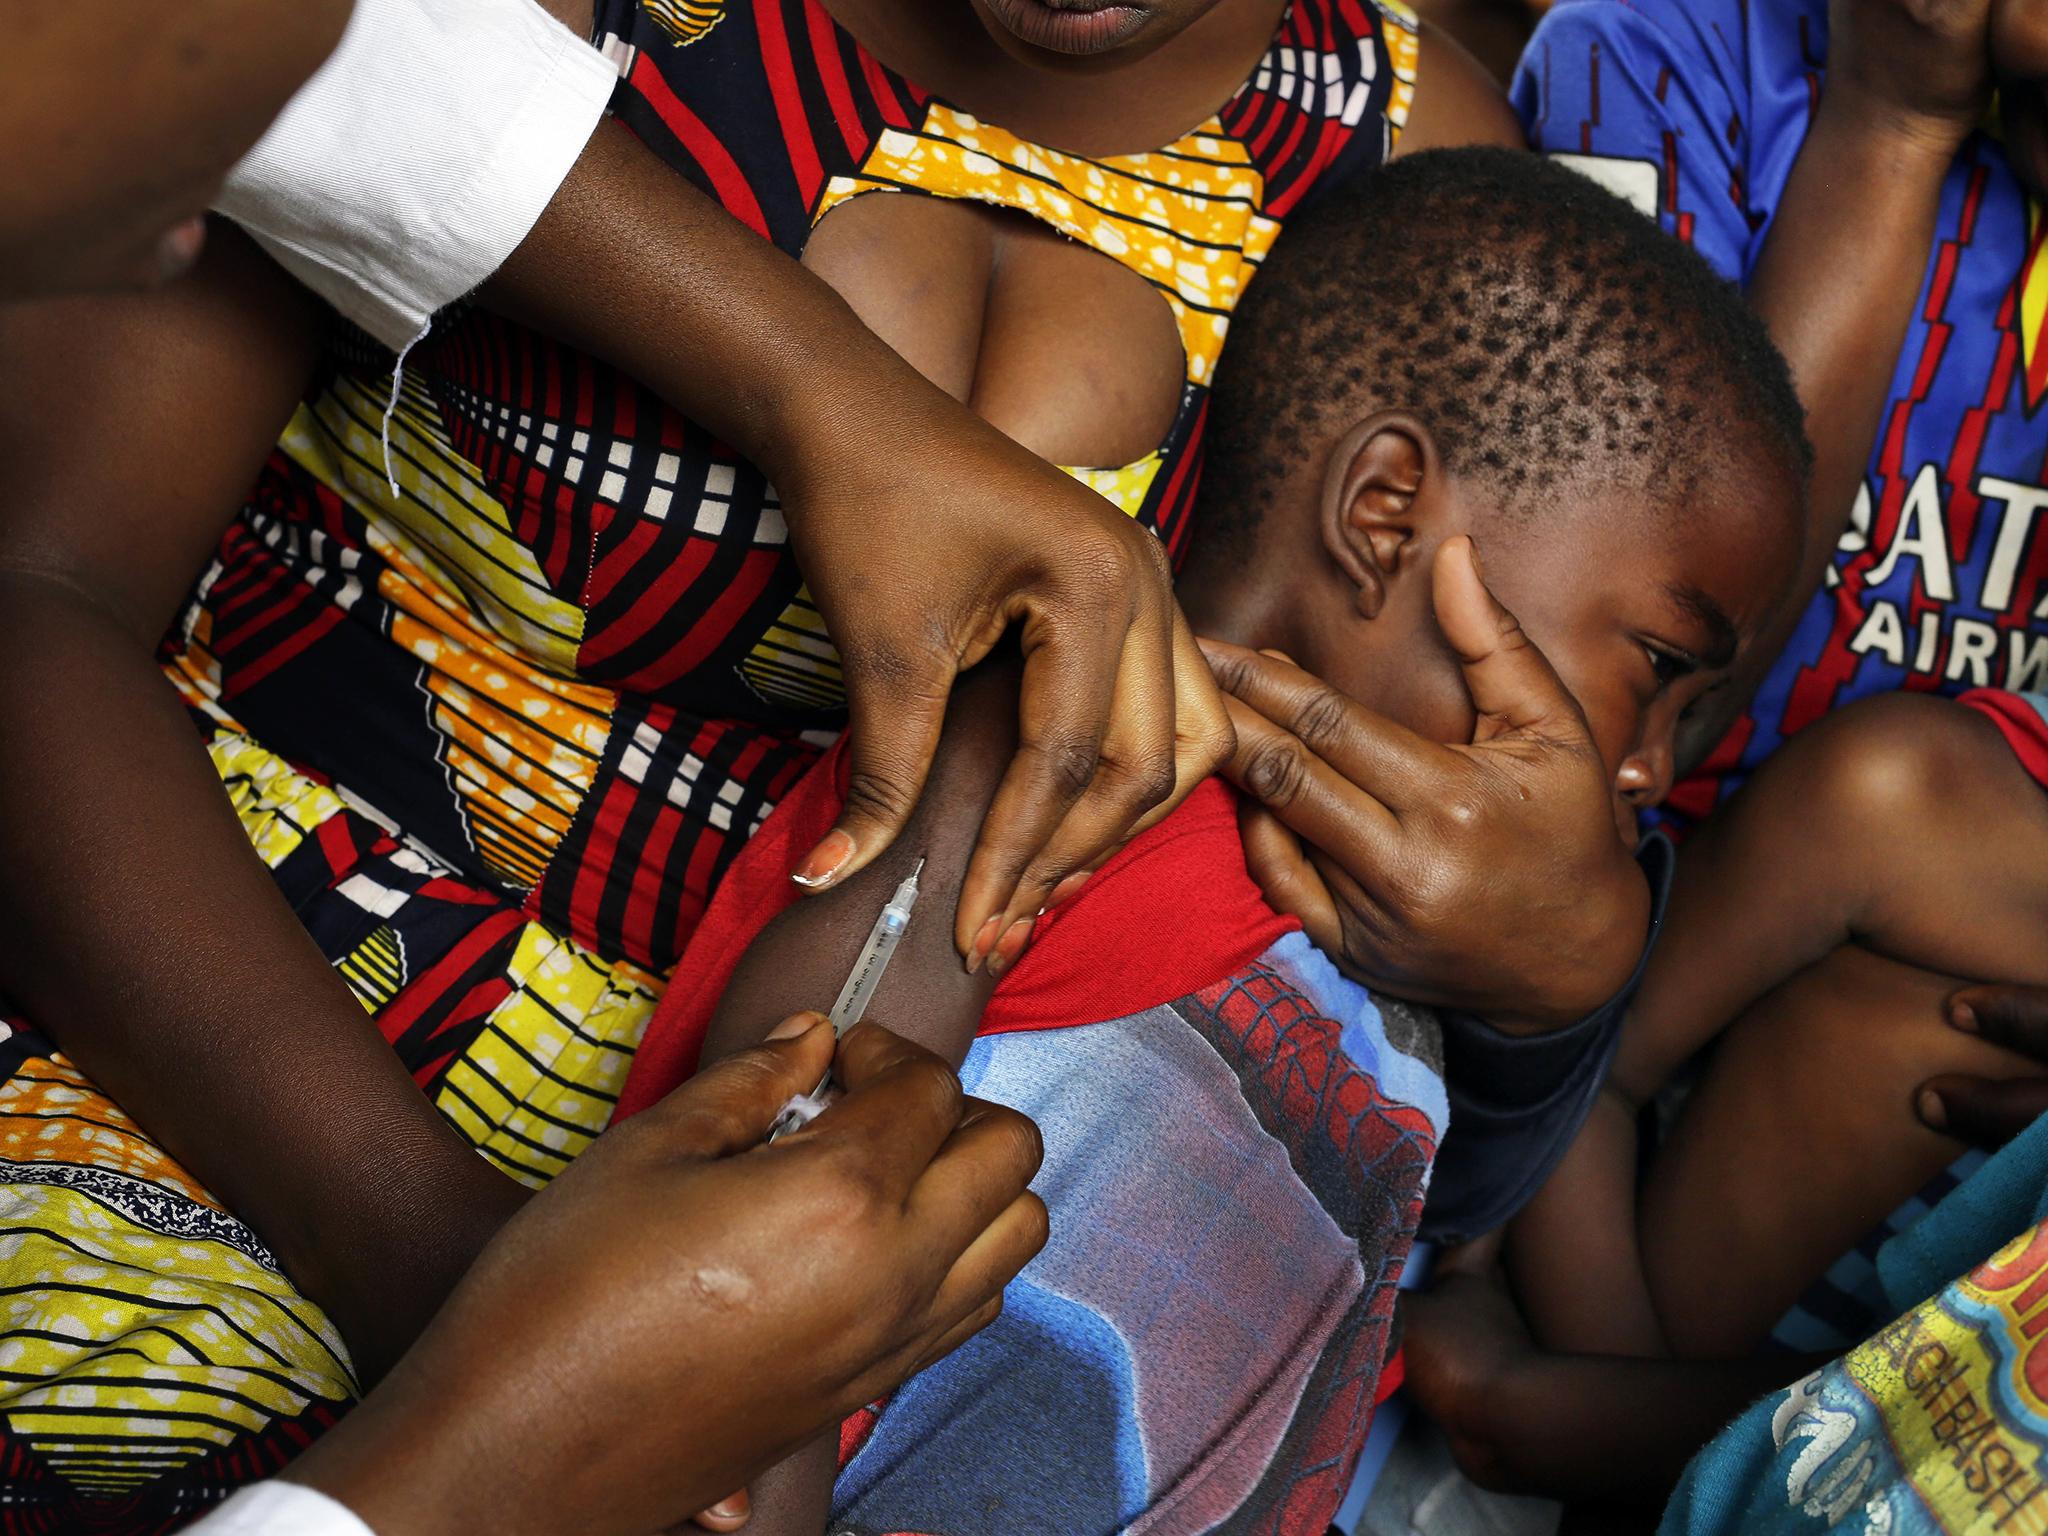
x=280, y=1509
x=420, y=155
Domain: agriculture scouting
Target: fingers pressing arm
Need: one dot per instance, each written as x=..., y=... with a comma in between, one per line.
x=803, y=958
x=1989, y=1112
x=918, y=562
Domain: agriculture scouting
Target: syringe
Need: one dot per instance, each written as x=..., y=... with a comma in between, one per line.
x=854, y=997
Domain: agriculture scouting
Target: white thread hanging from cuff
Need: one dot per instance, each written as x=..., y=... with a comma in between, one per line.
x=391, y=405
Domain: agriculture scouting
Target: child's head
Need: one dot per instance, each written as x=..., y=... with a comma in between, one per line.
x=1480, y=342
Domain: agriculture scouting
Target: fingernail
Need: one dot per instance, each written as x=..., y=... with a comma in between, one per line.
x=825, y=862
x=730, y=1508
x=1065, y=890
x=1933, y=1113
x=1010, y=945
x=1478, y=569
x=795, y=1025
x=1962, y=1016
x=984, y=940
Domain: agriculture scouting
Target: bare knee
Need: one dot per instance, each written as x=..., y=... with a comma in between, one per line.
x=1885, y=763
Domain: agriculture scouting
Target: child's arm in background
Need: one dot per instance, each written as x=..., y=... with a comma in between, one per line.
x=1575, y=1251
x=1557, y=1424
x=1902, y=824
x=1761, y=892
x=801, y=960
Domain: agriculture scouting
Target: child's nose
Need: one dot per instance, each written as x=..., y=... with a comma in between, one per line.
x=1644, y=777
x=1639, y=783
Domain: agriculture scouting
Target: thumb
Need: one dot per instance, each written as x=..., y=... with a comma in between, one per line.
x=1512, y=685
x=1286, y=878
x=728, y=1107
x=894, y=714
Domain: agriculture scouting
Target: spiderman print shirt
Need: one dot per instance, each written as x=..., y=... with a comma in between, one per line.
x=1696, y=110
x=1238, y=1140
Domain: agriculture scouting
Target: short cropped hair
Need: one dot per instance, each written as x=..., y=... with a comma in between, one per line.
x=1541, y=327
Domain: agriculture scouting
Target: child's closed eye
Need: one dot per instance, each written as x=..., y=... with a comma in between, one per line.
x=1669, y=664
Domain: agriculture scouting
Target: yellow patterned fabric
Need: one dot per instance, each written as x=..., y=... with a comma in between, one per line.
x=686, y=20
x=541, y=1080
x=143, y=1326
x=1185, y=218
x=443, y=519
x=1937, y=1423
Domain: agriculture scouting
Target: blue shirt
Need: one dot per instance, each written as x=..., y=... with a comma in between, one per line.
x=1696, y=110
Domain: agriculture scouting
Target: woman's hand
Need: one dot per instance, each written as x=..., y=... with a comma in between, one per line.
x=1989, y=1111
x=925, y=535
x=1487, y=877
x=683, y=1305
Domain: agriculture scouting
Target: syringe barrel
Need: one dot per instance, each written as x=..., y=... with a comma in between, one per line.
x=867, y=973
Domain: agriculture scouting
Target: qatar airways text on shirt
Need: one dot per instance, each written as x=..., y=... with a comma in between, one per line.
x=1983, y=640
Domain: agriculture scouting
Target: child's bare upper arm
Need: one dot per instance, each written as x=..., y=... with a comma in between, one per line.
x=802, y=958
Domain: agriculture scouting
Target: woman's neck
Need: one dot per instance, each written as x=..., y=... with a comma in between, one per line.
x=1152, y=101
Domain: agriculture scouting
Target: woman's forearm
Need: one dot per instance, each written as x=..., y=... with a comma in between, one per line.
x=143, y=934
x=633, y=264
x=151, y=945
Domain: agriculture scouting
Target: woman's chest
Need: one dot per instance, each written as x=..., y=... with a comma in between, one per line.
x=1081, y=305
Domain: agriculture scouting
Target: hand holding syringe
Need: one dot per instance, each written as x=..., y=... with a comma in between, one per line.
x=854, y=997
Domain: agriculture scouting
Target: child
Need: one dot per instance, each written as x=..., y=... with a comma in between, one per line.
x=1896, y=846
x=1820, y=153
x=1469, y=345
x=1891, y=848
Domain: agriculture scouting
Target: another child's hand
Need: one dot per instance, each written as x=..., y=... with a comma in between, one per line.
x=1989, y=1111
x=1462, y=1337
x=1920, y=69
x=1490, y=876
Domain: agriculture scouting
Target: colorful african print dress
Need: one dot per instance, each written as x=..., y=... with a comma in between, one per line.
x=499, y=733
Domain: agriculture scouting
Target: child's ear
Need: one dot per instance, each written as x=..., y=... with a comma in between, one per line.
x=1371, y=507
